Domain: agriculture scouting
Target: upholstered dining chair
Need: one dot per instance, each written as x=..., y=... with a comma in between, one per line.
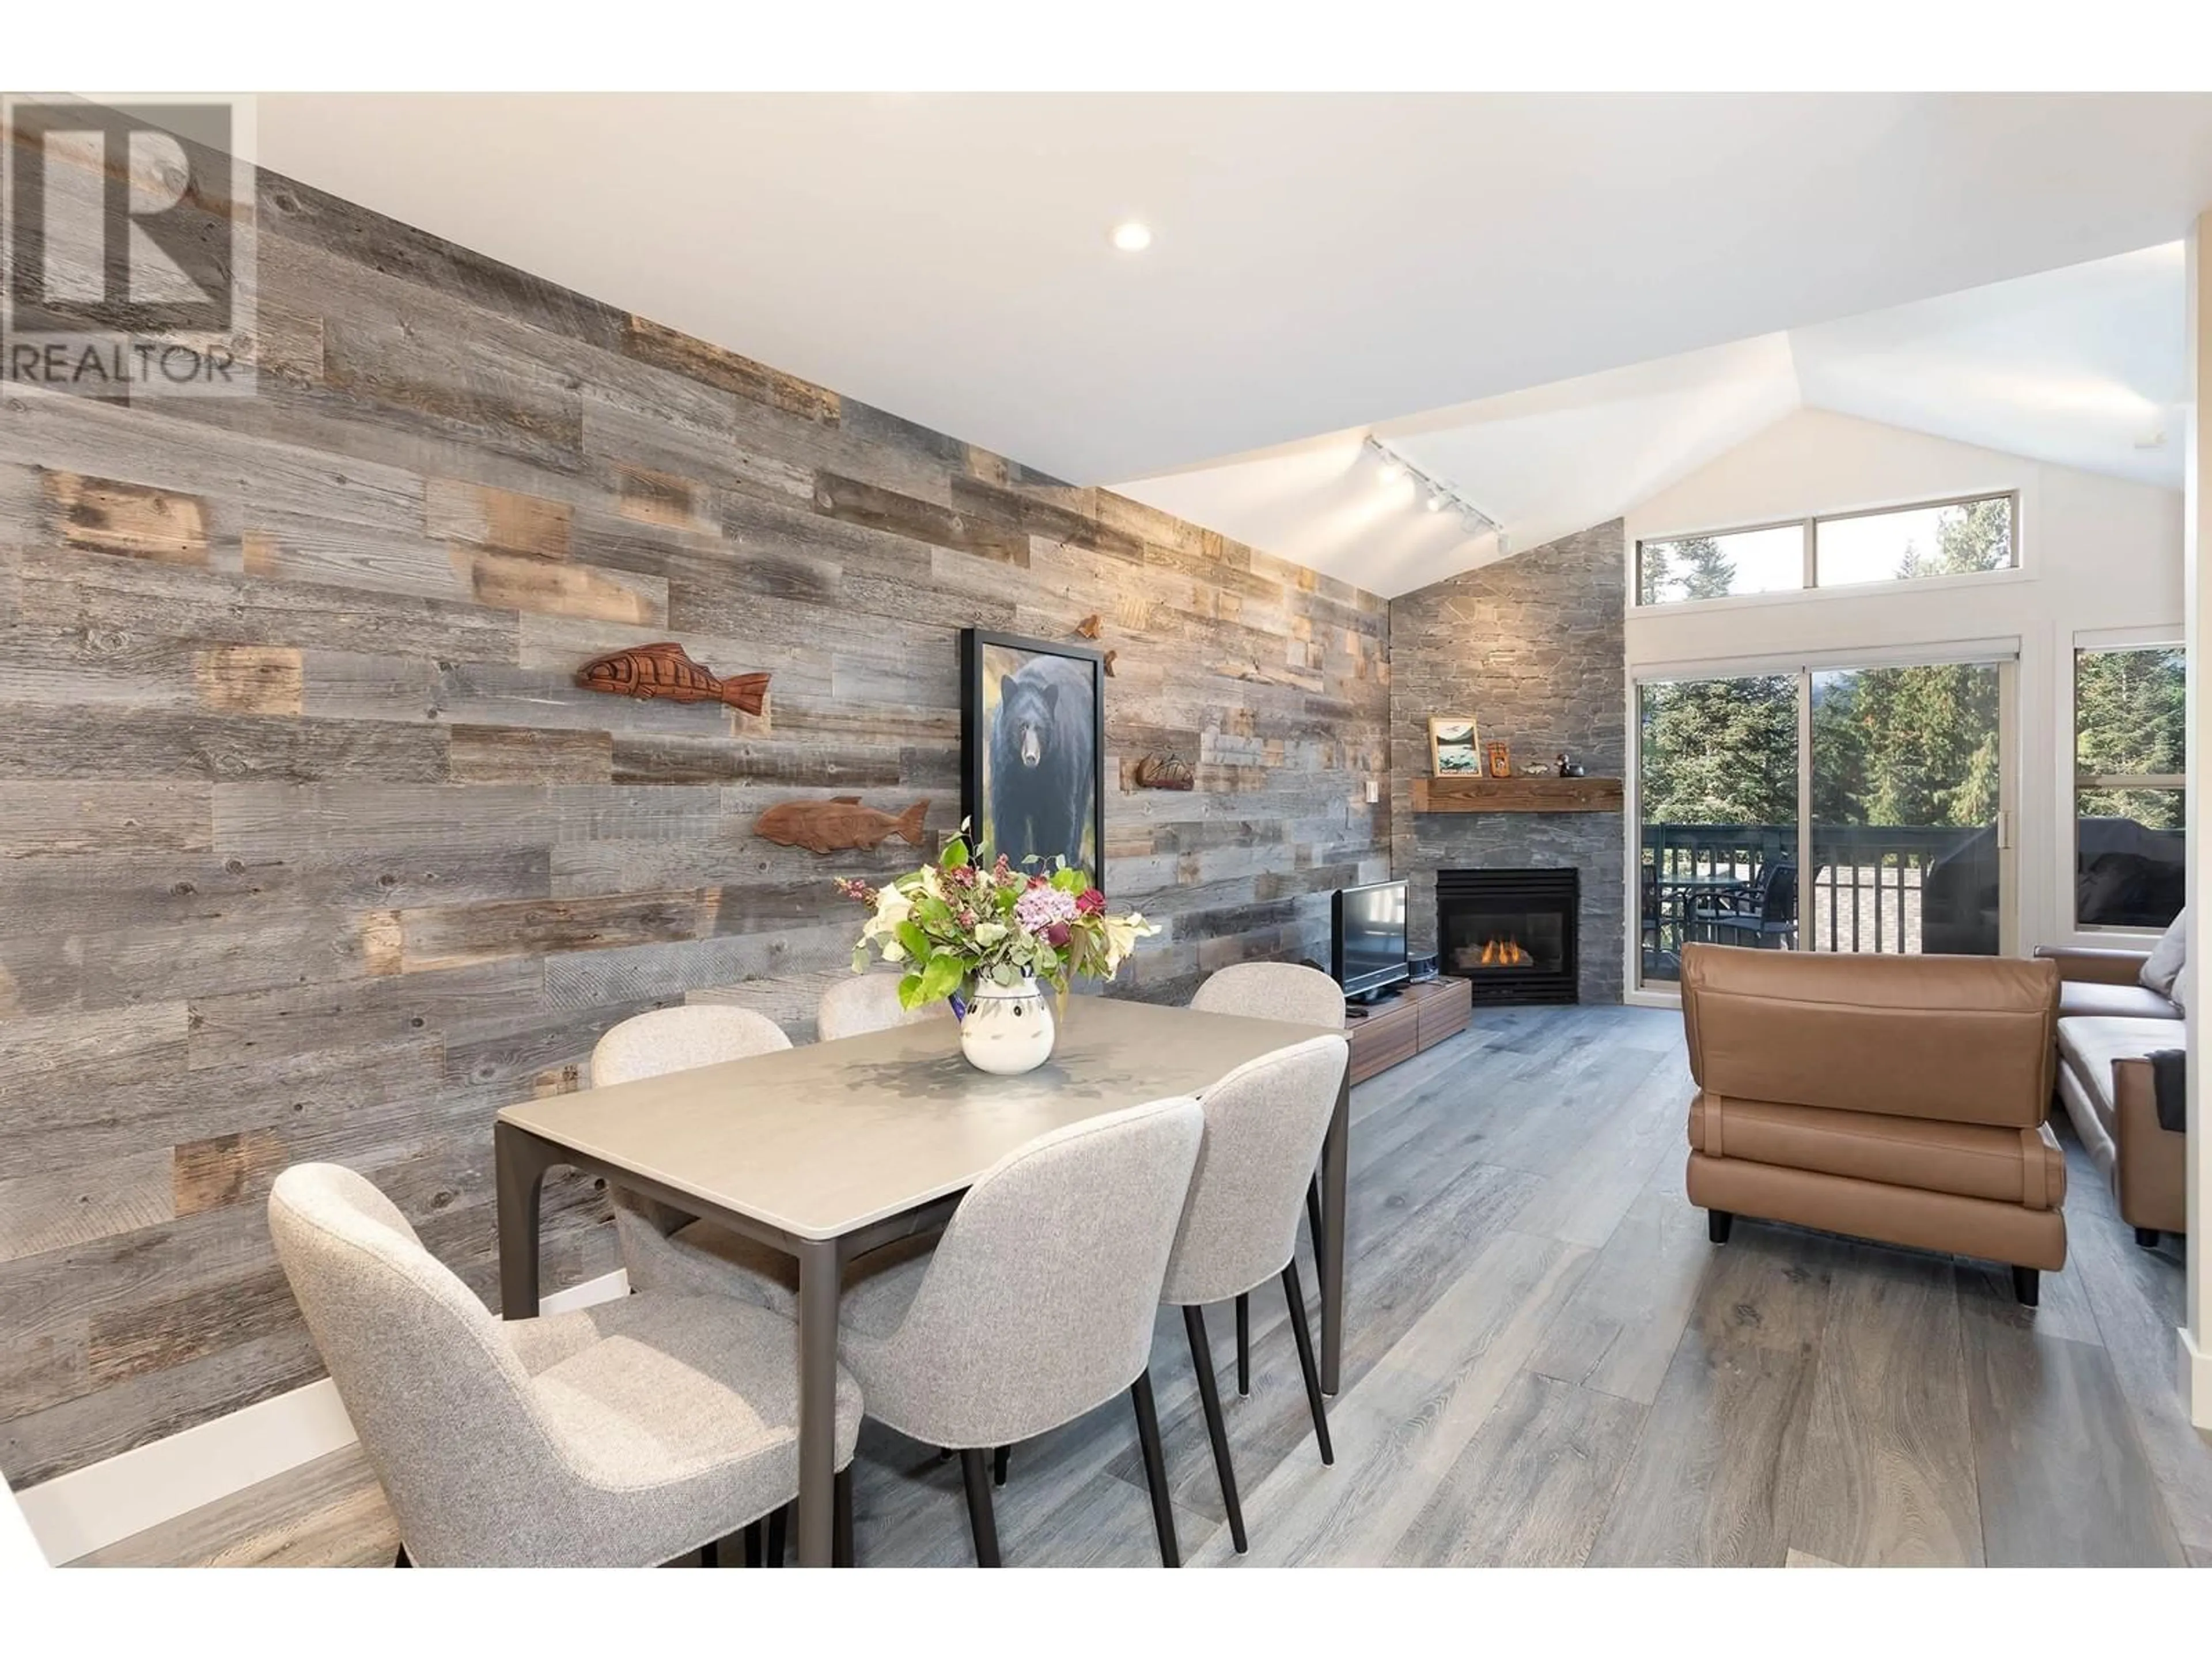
x=870, y=1002
x=1037, y=1305
x=1273, y=990
x=624, y=1435
x=663, y=1249
x=1264, y=1125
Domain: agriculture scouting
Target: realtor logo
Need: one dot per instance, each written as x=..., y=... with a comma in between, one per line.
x=127, y=235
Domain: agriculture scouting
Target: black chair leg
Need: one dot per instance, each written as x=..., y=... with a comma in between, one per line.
x=2026, y=1286
x=840, y=1544
x=1313, y=1211
x=710, y=1555
x=1718, y=1223
x=999, y=1458
x=1156, y=1469
x=1244, y=1344
x=1297, y=1300
x=2148, y=1238
x=976, y=1475
x=756, y=1544
x=400, y=1559
x=777, y=1526
x=1209, y=1396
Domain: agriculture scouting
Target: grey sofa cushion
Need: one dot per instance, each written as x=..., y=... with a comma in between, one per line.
x=2087, y=1000
x=2161, y=972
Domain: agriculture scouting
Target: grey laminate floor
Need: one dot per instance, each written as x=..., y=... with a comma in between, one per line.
x=1546, y=1363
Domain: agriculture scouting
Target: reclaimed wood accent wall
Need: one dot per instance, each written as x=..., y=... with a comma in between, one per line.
x=311, y=847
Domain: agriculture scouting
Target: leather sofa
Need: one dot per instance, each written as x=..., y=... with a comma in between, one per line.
x=2108, y=1023
x=1901, y=1098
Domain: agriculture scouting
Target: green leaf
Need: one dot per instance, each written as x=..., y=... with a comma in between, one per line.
x=955, y=856
x=1069, y=880
x=915, y=941
x=1005, y=974
x=939, y=980
x=910, y=992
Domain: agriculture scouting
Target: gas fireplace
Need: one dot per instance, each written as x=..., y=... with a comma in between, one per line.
x=1510, y=934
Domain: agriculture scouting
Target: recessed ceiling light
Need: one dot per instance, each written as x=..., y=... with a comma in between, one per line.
x=1132, y=237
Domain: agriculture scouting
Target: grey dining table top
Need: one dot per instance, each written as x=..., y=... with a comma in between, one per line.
x=823, y=1140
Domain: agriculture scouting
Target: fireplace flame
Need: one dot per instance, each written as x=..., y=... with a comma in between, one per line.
x=1505, y=953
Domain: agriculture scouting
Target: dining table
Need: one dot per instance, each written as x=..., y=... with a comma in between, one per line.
x=831, y=1149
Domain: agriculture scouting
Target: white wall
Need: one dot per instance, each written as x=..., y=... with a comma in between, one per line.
x=2101, y=562
x=2195, y=1334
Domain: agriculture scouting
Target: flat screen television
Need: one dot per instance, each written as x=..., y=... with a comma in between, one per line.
x=1368, y=951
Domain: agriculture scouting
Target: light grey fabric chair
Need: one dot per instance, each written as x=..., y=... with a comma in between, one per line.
x=1273, y=990
x=1037, y=1305
x=663, y=1249
x=1264, y=1124
x=624, y=1435
x=870, y=1002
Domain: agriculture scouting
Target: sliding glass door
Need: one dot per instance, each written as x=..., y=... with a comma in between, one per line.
x=1717, y=786
x=1860, y=808
x=1909, y=848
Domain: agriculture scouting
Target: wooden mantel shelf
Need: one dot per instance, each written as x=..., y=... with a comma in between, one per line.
x=1468, y=794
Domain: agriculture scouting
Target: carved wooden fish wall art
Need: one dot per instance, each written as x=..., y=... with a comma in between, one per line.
x=838, y=824
x=666, y=670
x=1168, y=771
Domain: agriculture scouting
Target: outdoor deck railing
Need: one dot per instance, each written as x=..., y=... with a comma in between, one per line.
x=1868, y=887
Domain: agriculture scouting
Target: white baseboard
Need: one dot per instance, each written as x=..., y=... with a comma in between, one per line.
x=74, y=1514
x=2196, y=1379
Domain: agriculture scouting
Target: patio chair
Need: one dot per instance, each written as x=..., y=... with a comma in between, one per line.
x=1766, y=912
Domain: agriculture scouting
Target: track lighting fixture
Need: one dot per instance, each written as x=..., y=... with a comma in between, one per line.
x=1437, y=494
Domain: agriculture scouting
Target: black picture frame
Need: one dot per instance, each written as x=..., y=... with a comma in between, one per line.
x=981, y=673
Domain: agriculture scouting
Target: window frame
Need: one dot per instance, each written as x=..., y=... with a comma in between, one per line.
x=2106, y=644
x=1809, y=527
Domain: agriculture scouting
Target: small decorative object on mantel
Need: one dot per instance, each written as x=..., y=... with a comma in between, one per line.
x=838, y=824
x=1452, y=751
x=1535, y=769
x=666, y=670
x=1168, y=771
x=989, y=937
x=1089, y=626
x=1569, y=766
x=1501, y=759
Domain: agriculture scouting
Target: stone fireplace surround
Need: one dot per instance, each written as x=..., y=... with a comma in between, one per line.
x=1531, y=647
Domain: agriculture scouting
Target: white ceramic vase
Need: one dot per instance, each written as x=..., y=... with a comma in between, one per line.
x=1008, y=1028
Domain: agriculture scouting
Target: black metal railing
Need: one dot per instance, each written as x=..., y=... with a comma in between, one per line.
x=1871, y=887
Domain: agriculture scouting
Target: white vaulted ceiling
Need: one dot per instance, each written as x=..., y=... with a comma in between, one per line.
x=2084, y=367
x=1321, y=264
x=1319, y=261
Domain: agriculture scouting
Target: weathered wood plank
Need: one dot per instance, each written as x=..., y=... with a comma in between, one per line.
x=461, y=936
x=515, y=754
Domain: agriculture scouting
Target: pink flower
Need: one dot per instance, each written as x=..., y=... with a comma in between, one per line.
x=1043, y=907
x=853, y=888
x=1037, y=882
x=966, y=918
x=1091, y=902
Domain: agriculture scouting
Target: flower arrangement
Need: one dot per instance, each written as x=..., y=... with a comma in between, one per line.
x=955, y=923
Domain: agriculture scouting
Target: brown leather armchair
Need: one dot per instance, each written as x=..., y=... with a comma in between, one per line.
x=1900, y=1099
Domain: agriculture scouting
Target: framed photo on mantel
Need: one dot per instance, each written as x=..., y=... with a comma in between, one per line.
x=1453, y=750
x=1033, y=750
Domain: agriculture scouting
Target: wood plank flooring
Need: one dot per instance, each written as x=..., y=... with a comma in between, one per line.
x=1547, y=1365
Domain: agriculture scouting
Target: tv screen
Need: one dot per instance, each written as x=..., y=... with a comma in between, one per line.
x=1370, y=949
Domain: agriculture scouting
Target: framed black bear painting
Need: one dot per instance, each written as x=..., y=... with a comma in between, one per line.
x=1033, y=750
